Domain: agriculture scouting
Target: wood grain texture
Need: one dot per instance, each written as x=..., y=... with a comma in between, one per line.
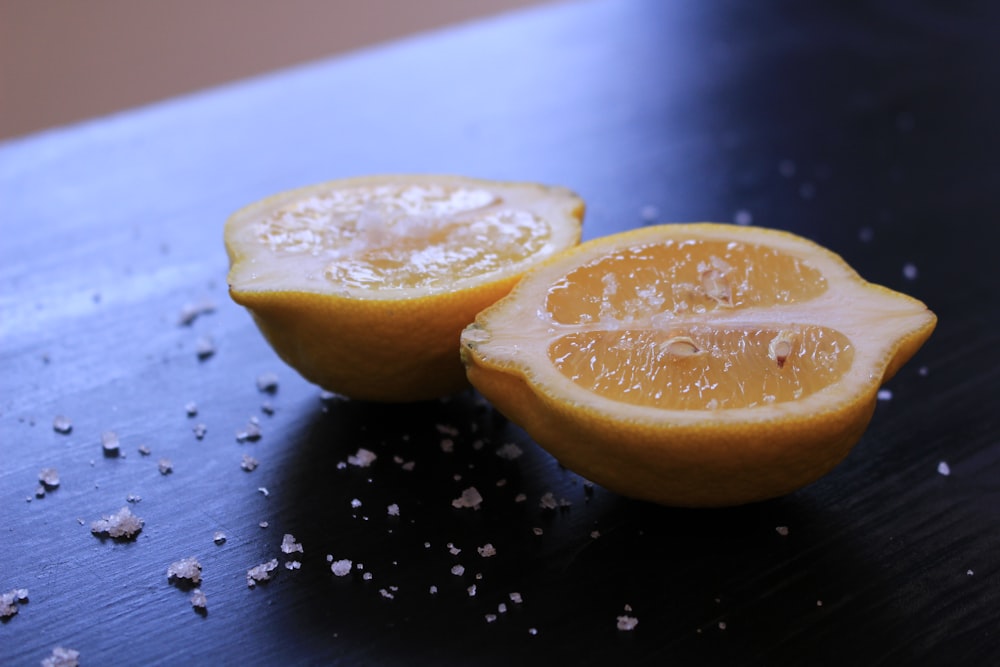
x=869, y=130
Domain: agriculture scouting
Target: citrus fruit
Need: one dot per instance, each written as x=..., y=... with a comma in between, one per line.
x=694, y=365
x=364, y=285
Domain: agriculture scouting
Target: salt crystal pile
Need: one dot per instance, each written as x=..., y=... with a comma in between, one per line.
x=362, y=459
x=62, y=657
x=261, y=572
x=289, y=545
x=470, y=498
x=188, y=569
x=121, y=525
x=9, y=601
x=198, y=600
x=627, y=623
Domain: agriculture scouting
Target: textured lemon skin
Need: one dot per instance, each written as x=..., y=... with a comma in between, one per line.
x=682, y=460
x=690, y=465
x=387, y=350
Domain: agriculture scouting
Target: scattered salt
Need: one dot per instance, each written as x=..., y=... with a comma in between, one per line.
x=289, y=545
x=62, y=657
x=188, y=569
x=532, y=631
x=191, y=409
x=781, y=530
x=145, y=450
x=471, y=590
x=722, y=625
x=204, y=348
x=121, y=525
x=198, y=600
x=447, y=445
x=62, y=424
x=219, y=537
x=491, y=618
x=110, y=443
x=192, y=311
x=470, y=498
x=262, y=490
x=458, y=570
x=516, y=598
x=627, y=623
x=49, y=477
x=943, y=468
x=249, y=433
x=447, y=429
x=509, y=451
x=10, y=600
x=200, y=430
x=263, y=524
x=165, y=466
x=341, y=568
x=393, y=510
x=487, y=551
x=362, y=459
x=969, y=573
x=355, y=503
x=548, y=501
x=261, y=572
x=249, y=463
x=386, y=594
x=267, y=383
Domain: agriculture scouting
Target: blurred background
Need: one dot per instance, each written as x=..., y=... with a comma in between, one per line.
x=63, y=61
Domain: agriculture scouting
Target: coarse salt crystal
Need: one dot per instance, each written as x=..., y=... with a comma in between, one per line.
x=393, y=510
x=198, y=600
x=781, y=530
x=62, y=657
x=943, y=468
x=165, y=466
x=627, y=623
x=267, y=383
x=289, y=545
x=509, y=451
x=185, y=568
x=62, y=424
x=262, y=572
x=121, y=525
x=110, y=443
x=362, y=459
x=49, y=477
x=487, y=550
x=342, y=567
x=470, y=498
x=458, y=570
x=249, y=463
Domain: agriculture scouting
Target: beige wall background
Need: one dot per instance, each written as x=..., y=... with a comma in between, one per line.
x=67, y=60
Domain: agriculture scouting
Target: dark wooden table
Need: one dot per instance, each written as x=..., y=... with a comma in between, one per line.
x=869, y=128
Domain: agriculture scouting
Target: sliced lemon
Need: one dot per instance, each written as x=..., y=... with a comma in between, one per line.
x=694, y=365
x=364, y=285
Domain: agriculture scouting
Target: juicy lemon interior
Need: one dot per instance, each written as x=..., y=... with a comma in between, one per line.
x=646, y=327
x=400, y=236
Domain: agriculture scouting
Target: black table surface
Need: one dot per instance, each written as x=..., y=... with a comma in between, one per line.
x=868, y=127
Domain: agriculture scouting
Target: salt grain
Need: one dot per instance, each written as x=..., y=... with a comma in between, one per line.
x=393, y=510
x=62, y=425
x=943, y=468
x=204, y=348
x=627, y=623
x=249, y=463
x=262, y=572
x=289, y=545
x=458, y=570
x=219, y=537
x=491, y=618
x=145, y=450
x=341, y=568
x=362, y=459
x=509, y=451
x=548, y=501
x=110, y=443
x=191, y=409
x=487, y=551
x=62, y=657
x=10, y=600
x=49, y=477
x=198, y=600
x=192, y=311
x=267, y=383
x=262, y=490
x=516, y=598
x=165, y=466
x=199, y=431
x=884, y=394
x=121, y=525
x=188, y=569
x=249, y=433
x=781, y=530
x=470, y=498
